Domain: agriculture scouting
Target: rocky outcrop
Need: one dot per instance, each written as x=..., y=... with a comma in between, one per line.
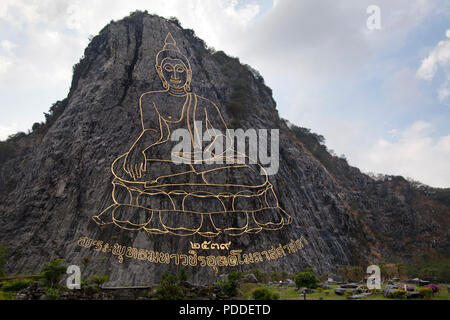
x=57, y=180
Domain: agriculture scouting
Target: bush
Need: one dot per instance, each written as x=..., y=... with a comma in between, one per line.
x=434, y=288
x=235, y=276
x=326, y=292
x=3, y=258
x=426, y=293
x=230, y=287
x=348, y=293
x=93, y=284
x=182, y=275
x=265, y=294
x=16, y=285
x=168, y=288
x=260, y=276
x=306, y=279
x=399, y=294
x=52, y=294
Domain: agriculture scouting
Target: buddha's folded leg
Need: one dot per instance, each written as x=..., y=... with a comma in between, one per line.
x=253, y=226
x=120, y=195
x=193, y=215
x=233, y=174
x=155, y=225
x=105, y=217
x=272, y=218
x=131, y=217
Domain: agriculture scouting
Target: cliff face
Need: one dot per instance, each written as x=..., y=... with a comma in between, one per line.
x=56, y=181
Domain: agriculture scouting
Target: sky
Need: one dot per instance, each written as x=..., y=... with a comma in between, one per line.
x=379, y=96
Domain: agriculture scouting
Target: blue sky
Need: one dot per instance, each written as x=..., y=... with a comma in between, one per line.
x=381, y=97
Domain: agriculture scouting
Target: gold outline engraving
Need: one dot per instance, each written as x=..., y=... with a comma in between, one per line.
x=130, y=179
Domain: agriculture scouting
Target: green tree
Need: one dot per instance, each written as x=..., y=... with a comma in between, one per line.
x=235, y=275
x=230, y=287
x=182, y=275
x=306, y=279
x=93, y=283
x=168, y=288
x=52, y=273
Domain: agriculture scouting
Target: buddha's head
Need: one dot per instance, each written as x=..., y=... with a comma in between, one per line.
x=173, y=67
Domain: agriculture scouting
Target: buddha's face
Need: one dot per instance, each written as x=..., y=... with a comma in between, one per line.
x=174, y=72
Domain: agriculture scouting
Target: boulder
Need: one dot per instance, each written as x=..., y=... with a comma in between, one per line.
x=251, y=278
x=341, y=291
x=223, y=278
x=349, y=285
x=359, y=296
x=304, y=290
x=290, y=283
x=387, y=291
x=324, y=286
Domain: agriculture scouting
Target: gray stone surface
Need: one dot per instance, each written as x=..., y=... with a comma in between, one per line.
x=56, y=181
x=250, y=278
x=389, y=289
x=359, y=296
x=341, y=291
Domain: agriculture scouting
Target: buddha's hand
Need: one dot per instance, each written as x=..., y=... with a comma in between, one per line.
x=135, y=163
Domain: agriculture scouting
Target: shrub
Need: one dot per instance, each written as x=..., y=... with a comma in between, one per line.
x=435, y=288
x=52, y=273
x=319, y=290
x=99, y=280
x=399, y=294
x=426, y=292
x=16, y=285
x=326, y=292
x=230, y=287
x=306, y=279
x=260, y=276
x=235, y=275
x=348, y=293
x=274, y=276
x=265, y=294
x=6, y=295
x=3, y=258
x=52, y=294
x=168, y=288
x=182, y=275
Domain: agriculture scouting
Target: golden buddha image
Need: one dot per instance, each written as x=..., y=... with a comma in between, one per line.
x=153, y=193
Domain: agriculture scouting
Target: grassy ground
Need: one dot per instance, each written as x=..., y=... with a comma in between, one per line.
x=290, y=293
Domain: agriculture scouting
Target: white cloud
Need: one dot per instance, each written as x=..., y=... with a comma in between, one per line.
x=7, y=45
x=8, y=130
x=4, y=65
x=438, y=57
x=444, y=91
x=414, y=154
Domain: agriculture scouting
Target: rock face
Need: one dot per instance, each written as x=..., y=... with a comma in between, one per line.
x=56, y=181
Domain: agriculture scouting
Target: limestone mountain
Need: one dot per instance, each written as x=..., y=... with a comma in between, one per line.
x=54, y=180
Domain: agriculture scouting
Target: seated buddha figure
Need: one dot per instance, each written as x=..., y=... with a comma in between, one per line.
x=152, y=192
